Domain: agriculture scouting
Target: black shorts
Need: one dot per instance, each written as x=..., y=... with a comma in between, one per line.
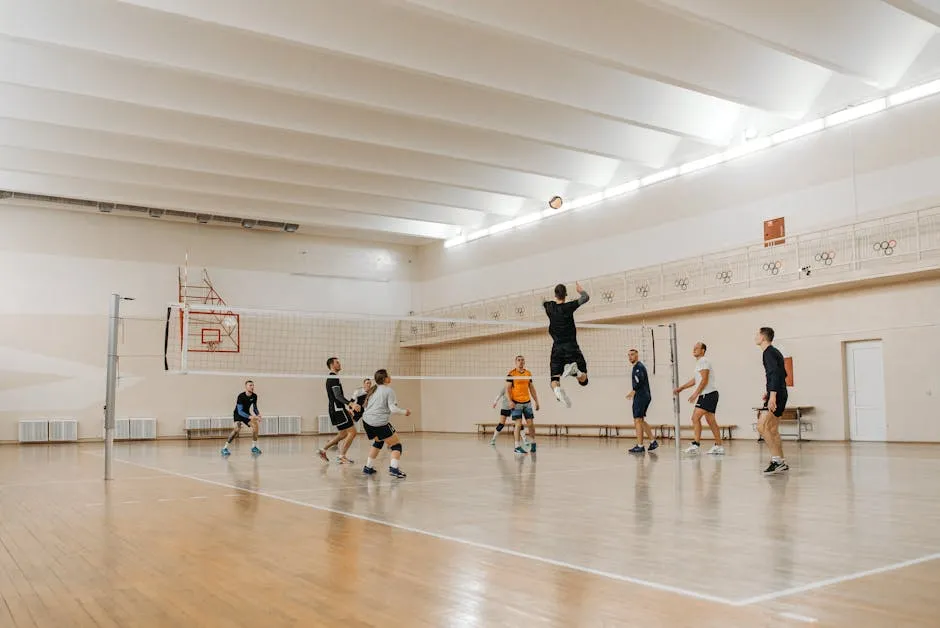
x=562, y=356
x=241, y=419
x=340, y=419
x=505, y=412
x=781, y=404
x=708, y=402
x=640, y=406
x=381, y=432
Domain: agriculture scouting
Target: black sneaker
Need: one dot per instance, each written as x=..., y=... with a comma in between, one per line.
x=396, y=473
x=776, y=467
x=653, y=445
x=638, y=449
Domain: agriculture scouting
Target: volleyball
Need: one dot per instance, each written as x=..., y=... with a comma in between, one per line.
x=555, y=202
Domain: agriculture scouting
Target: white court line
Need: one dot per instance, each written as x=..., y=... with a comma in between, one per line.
x=802, y=618
x=812, y=586
x=444, y=537
x=475, y=478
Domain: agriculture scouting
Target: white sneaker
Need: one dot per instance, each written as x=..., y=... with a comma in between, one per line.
x=493, y=441
x=693, y=449
x=716, y=450
x=571, y=370
x=562, y=396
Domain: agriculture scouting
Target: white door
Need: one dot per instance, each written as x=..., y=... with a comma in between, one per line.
x=866, y=391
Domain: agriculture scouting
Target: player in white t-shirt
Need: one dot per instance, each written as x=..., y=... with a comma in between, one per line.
x=705, y=399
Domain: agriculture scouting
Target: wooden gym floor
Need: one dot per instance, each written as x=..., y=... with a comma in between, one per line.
x=582, y=535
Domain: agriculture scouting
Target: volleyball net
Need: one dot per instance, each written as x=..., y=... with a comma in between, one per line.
x=222, y=340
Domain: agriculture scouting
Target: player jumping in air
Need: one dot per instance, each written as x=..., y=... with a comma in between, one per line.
x=567, y=359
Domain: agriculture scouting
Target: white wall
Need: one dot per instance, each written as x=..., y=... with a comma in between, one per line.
x=58, y=268
x=875, y=166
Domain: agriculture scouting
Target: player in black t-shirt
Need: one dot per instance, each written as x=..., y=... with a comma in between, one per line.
x=566, y=358
x=775, y=399
x=359, y=396
x=341, y=412
x=246, y=413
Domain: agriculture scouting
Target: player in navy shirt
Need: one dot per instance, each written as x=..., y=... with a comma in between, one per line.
x=642, y=398
x=246, y=413
x=775, y=399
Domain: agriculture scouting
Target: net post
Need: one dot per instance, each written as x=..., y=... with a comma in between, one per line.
x=674, y=361
x=184, y=337
x=114, y=317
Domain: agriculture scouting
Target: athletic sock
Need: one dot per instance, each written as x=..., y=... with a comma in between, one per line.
x=370, y=462
x=394, y=463
x=254, y=443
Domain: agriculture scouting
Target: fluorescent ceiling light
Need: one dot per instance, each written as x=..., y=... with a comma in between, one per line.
x=526, y=219
x=701, y=164
x=476, y=235
x=585, y=201
x=454, y=241
x=662, y=175
x=914, y=93
x=747, y=148
x=854, y=113
x=623, y=188
x=797, y=131
x=501, y=226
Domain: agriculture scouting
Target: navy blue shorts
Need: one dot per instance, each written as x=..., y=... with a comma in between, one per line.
x=640, y=406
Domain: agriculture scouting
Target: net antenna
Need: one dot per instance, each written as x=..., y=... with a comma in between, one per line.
x=480, y=346
x=205, y=321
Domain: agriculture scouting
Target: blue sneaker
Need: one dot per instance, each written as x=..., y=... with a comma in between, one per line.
x=519, y=450
x=255, y=451
x=396, y=473
x=638, y=449
x=531, y=448
x=368, y=470
x=226, y=452
x=654, y=445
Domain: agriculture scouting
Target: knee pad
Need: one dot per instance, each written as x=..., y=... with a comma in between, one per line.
x=378, y=444
x=584, y=383
x=396, y=447
x=556, y=378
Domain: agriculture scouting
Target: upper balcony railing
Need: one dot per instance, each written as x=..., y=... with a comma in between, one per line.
x=847, y=253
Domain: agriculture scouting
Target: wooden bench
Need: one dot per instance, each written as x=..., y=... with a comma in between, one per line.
x=483, y=427
x=793, y=414
x=666, y=431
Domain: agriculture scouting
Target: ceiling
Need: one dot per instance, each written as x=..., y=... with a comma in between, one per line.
x=414, y=119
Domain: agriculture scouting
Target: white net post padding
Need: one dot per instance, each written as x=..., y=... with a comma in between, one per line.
x=279, y=343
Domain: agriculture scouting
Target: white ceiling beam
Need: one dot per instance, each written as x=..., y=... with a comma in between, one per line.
x=257, y=191
x=630, y=35
x=108, y=191
x=468, y=205
x=202, y=48
x=45, y=67
x=866, y=39
x=186, y=130
x=443, y=48
x=926, y=10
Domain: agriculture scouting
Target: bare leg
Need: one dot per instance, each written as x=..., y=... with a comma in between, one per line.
x=647, y=430
x=713, y=424
x=347, y=441
x=697, y=415
x=235, y=431
x=334, y=441
x=768, y=426
x=638, y=427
